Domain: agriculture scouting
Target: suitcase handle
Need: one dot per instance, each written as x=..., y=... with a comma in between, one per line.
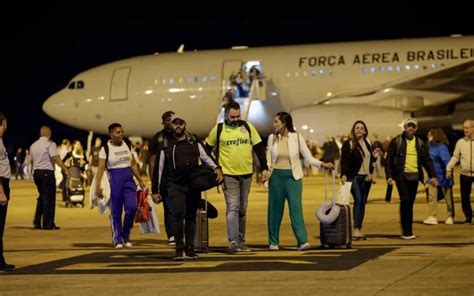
x=333, y=174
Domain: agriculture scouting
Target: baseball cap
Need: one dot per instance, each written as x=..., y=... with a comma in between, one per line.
x=410, y=120
x=177, y=118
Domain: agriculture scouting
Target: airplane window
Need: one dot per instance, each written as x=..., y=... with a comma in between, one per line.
x=72, y=85
x=196, y=79
x=189, y=79
x=416, y=67
x=171, y=81
x=80, y=84
x=389, y=68
x=364, y=70
x=433, y=66
x=180, y=80
x=442, y=65
x=163, y=81
x=330, y=72
x=321, y=72
x=305, y=73
x=372, y=70
x=297, y=74
x=288, y=74
x=381, y=69
x=213, y=77
x=399, y=68
x=424, y=67
x=204, y=79
x=407, y=67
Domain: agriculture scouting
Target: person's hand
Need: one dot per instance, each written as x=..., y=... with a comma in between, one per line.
x=156, y=197
x=389, y=181
x=3, y=199
x=220, y=175
x=343, y=179
x=98, y=193
x=265, y=176
x=449, y=174
x=434, y=182
x=327, y=165
x=376, y=152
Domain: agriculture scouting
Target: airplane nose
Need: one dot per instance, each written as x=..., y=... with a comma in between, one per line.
x=54, y=106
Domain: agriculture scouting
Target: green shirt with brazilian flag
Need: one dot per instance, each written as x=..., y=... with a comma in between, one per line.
x=235, y=148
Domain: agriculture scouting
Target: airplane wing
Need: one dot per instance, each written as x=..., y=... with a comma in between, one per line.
x=434, y=88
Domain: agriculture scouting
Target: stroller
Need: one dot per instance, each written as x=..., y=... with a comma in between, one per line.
x=75, y=188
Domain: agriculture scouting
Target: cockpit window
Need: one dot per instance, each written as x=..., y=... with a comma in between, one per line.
x=80, y=84
x=72, y=85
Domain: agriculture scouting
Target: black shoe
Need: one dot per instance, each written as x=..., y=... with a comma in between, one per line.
x=7, y=267
x=468, y=221
x=178, y=256
x=36, y=226
x=191, y=254
x=53, y=228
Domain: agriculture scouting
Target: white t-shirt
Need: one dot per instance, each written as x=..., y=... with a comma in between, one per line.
x=119, y=156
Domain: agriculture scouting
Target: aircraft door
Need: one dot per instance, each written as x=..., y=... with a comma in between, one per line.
x=229, y=70
x=119, y=84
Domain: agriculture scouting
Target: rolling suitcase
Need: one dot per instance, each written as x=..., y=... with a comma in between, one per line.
x=201, y=240
x=338, y=233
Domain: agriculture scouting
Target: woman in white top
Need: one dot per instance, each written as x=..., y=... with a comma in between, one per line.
x=117, y=158
x=284, y=148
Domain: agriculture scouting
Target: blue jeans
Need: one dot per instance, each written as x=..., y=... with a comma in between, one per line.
x=236, y=192
x=360, y=191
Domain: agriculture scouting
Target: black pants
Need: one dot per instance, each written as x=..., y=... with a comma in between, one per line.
x=166, y=209
x=63, y=186
x=183, y=205
x=46, y=202
x=3, y=215
x=466, y=187
x=407, y=191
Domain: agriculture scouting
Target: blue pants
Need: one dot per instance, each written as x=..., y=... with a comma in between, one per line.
x=360, y=191
x=123, y=196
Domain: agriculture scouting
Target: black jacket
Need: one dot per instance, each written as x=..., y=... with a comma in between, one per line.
x=352, y=158
x=396, y=156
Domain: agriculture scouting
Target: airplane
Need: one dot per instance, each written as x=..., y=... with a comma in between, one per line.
x=326, y=87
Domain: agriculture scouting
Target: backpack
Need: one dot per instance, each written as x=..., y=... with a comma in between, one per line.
x=219, y=132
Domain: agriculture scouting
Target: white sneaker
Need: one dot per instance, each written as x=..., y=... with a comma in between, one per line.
x=128, y=244
x=449, y=221
x=118, y=246
x=274, y=248
x=431, y=220
x=408, y=236
x=171, y=241
x=304, y=247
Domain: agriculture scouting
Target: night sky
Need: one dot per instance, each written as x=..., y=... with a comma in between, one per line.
x=44, y=45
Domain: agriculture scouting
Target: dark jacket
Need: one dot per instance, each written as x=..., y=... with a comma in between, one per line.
x=352, y=158
x=396, y=156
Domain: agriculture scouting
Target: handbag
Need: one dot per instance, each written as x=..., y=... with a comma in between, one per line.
x=344, y=194
x=203, y=178
x=143, y=213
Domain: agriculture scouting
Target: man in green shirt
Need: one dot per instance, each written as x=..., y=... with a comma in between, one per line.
x=235, y=139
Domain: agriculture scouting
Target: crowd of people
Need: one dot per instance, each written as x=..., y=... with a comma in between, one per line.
x=172, y=156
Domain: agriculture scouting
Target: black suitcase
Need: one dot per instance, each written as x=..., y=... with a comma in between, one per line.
x=338, y=233
x=201, y=240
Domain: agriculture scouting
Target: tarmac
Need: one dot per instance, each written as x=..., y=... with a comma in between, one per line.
x=79, y=258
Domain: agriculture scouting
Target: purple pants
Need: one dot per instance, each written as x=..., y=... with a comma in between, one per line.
x=123, y=195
